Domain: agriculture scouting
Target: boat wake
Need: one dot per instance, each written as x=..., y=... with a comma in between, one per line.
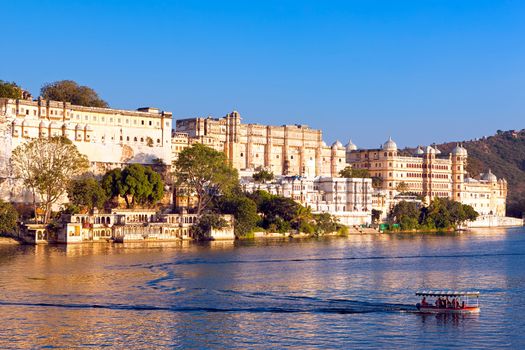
x=334, y=306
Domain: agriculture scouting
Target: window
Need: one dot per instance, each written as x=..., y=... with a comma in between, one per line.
x=142, y=122
x=150, y=123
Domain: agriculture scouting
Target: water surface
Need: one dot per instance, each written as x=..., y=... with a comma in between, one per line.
x=354, y=292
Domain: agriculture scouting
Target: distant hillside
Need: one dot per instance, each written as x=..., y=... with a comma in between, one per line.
x=504, y=153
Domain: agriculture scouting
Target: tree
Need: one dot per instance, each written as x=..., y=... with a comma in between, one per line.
x=350, y=172
x=10, y=90
x=70, y=91
x=8, y=218
x=263, y=176
x=46, y=166
x=204, y=172
x=243, y=209
x=406, y=214
x=86, y=193
x=402, y=187
x=112, y=183
x=376, y=215
x=137, y=184
x=202, y=229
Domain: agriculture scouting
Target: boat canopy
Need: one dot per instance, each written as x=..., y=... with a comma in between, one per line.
x=447, y=293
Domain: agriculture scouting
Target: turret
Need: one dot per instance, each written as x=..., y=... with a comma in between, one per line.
x=459, y=164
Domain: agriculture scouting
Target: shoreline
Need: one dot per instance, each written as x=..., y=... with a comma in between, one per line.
x=9, y=241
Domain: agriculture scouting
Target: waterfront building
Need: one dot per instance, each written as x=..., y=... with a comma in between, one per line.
x=283, y=150
x=123, y=225
x=108, y=137
x=349, y=200
x=429, y=173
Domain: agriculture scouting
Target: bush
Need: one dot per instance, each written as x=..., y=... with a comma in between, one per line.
x=8, y=219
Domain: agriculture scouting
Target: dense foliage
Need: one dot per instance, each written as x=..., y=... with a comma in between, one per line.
x=280, y=214
x=86, y=193
x=70, y=91
x=263, y=176
x=8, y=218
x=441, y=214
x=205, y=173
x=10, y=90
x=208, y=221
x=136, y=184
x=46, y=166
x=243, y=209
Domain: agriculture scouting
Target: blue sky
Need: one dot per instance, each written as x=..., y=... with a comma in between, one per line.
x=421, y=71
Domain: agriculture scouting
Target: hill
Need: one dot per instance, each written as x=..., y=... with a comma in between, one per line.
x=504, y=154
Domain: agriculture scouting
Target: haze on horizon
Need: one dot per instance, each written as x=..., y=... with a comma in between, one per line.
x=419, y=71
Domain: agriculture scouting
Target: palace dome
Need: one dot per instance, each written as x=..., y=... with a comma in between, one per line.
x=337, y=144
x=437, y=150
x=459, y=151
x=390, y=145
x=489, y=176
x=419, y=151
x=350, y=146
x=430, y=150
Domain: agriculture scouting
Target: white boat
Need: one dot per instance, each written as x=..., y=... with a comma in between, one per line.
x=448, y=302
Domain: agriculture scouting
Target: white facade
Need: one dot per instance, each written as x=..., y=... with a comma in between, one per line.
x=349, y=200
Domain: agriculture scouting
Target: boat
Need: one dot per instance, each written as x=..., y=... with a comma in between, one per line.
x=448, y=302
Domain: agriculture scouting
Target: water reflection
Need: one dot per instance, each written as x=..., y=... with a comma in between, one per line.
x=338, y=292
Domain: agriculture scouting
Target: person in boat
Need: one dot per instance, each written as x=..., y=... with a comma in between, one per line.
x=424, y=301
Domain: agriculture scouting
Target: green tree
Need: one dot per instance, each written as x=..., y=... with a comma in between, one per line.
x=376, y=215
x=263, y=176
x=243, y=209
x=350, y=172
x=402, y=187
x=70, y=91
x=205, y=173
x=136, y=184
x=86, y=193
x=46, y=166
x=8, y=218
x=112, y=183
x=406, y=214
x=325, y=223
x=470, y=213
x=208, y=221
x=10, y=90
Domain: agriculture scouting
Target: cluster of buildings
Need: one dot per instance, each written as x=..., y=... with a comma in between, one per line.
x=306, y=168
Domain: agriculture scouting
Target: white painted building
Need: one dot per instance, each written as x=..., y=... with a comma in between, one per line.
x=349, y=200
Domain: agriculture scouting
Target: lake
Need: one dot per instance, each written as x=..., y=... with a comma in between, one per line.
x=340, y=292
